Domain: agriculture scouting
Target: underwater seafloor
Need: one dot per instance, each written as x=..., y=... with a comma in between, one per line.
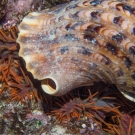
x=26, y=110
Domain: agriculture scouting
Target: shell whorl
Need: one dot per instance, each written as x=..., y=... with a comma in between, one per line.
x=81, y=42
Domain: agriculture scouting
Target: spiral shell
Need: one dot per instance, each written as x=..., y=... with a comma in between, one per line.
x=81, y=42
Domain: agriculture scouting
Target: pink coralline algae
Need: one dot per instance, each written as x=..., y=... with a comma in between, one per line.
x=38, y=115
x=13, y=11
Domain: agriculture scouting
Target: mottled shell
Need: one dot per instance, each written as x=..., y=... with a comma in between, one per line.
x=81, y=42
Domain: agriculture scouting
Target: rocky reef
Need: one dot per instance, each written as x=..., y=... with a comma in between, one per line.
x=25, y=109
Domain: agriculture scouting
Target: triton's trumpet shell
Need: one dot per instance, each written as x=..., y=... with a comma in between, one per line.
x=80, y=42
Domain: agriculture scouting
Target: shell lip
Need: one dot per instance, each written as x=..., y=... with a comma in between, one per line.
x=50, y=85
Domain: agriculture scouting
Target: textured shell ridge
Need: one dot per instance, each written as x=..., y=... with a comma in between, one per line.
x=81, y=42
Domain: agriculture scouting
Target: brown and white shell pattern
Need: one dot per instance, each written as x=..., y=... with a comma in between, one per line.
x=81, y=42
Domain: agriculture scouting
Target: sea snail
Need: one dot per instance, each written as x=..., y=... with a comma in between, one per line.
x=81, y=42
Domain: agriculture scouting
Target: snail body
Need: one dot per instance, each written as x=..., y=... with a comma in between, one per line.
x=81, y=42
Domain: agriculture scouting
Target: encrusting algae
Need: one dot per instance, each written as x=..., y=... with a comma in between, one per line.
x=98, y=109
